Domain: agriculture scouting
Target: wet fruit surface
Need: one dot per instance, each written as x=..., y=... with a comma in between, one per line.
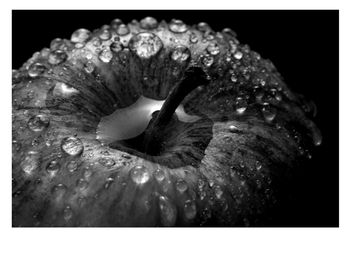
x=249, y=128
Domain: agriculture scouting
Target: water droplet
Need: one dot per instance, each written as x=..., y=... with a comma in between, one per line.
x=116, y=22
x=218, y=192
x=36, y=69
x=82, y=184
x=238, y=55
x=177, y=26
x=59, y=189
x=57, y=57
x=72, y=146
x=96, y=42
x=203, y=27
x=233, y=129
x=278, y=96
x=116, y=46
x=211, y=183
x=38, y=123
x=53, y=168
x=106, y=161
x=241, y=105
x=234, y=78
x=72, y=166
x=80, y=35
x=89, y=56
x=109, y=182
x=79, y=45
x=63, y=90
x=229, y=32
x=258, y=165
x=269, y=113
x=30, y=163
x=213, y=49
x=190, y=209
x=140, y=174
x=105, y=35
x=180, y=54
x=208, y=60
x=67, y=213
x=159, y=175
x=181, y=185
x=145, y=44
x=58, y=44
x=105, y=56
x=49, y=142
x=123, y=30
x=89, y=67
x=167, y=212
x=148, y=23
x=316, y=135
x=193, y=38
x=208, y=36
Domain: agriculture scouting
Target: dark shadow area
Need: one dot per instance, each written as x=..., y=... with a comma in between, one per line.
x=170, y=149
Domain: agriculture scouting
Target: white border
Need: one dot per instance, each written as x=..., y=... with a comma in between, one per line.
x=174, y=243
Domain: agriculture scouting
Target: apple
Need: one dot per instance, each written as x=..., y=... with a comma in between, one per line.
x=154, y=124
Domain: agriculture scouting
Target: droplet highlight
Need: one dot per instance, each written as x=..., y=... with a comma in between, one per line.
x=30, y=163
x=213, y=49
x=177, y=26
x=53, y=168
x=123, y=30
x=180, y=54
x=72, y=166
x=38, y=123
x=36, y=69
x=57, y=57
x=72, y=146
x=80, y=35
x=105, y=56
x=140, y=174
x=145, y=44
x=241, y=105
x=148, y=23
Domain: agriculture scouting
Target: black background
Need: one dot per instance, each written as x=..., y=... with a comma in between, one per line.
x=303, y=45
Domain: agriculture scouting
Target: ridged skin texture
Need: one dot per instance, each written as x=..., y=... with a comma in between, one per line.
x=230, y=168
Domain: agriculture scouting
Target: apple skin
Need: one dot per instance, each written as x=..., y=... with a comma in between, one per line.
x=231, y=168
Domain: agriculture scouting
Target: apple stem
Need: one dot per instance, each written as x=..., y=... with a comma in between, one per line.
x=193, y=78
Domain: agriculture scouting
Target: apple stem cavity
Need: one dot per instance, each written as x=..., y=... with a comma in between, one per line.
x=192, y=78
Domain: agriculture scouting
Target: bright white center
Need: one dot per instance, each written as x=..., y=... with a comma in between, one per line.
x=61, y=89
x=131, y=121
